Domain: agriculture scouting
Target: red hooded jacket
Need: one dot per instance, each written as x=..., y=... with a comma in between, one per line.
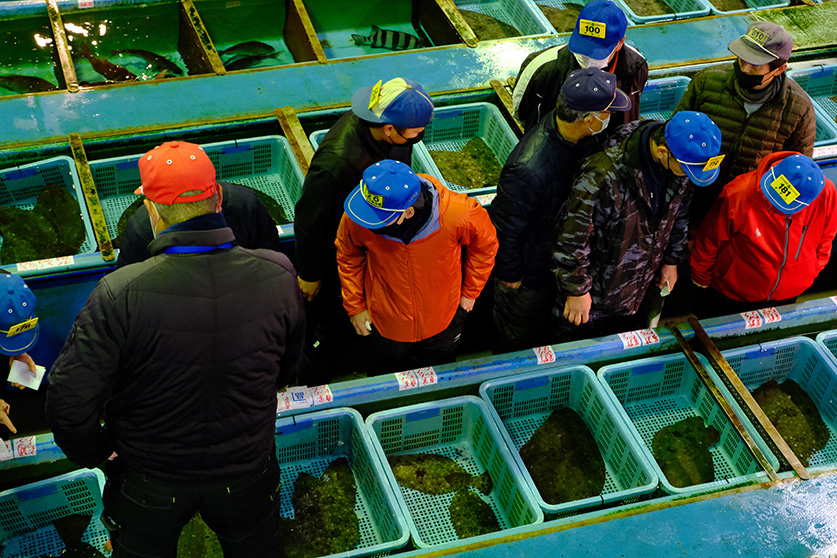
x=749, y=251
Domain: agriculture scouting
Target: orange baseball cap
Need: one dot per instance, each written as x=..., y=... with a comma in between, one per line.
x=173, y=168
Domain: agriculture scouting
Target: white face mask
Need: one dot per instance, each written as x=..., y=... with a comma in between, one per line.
x=604, y=122
x=587, y=62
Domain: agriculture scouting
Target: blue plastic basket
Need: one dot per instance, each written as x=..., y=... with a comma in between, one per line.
x=310, y=442
x=522, y=403
x=803, y=361
x=523, y=15
x=655, y=392
x=820, y=83
x=660, y=97
x=266, y=164
x=27, y=513
x=458, y=428
x=452, y=127
x=753, y=6
x=682, y=9
x=560, y=4
x=420, y=163
x=20, y=186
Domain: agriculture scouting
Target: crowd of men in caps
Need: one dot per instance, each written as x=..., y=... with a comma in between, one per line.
x=598, y=216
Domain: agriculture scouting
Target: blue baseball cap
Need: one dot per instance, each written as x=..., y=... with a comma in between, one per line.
x=19, y=329
x=600, y=26
x=793, y=183
x=387, y=189
x=695, y=142
x=399, y=102
x=594, y=90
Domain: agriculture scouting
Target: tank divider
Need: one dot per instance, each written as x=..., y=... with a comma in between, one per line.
x=91, y=198
x=300, y=144
x=61, y=46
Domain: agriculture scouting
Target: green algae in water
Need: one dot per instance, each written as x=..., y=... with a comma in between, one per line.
x=473, y=166
x=563, y=459
x=324, y=518
x=563, y=20
x=729, y=5
x=54, y=227
x=471, y=515
x=649, y=7
x=435, y=474
x=488, y=28
x=682, y=452
x=795, y=416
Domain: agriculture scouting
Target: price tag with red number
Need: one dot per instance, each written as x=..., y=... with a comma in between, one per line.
x=425, y=376
x=406, y=380
x=283, y=402
x=630, y=339
x=545, y=354
x=752, y=319
x=648, y=336
x=321, y=394
x=25, y=447
x=5, y=451
x=770, y=315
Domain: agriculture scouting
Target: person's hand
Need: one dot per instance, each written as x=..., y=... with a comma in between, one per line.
x=514, y=286
x=667, y=274
x=577, y=309
x=4, y=416
x=309, y=288
x=362, y=323
x=466, y=303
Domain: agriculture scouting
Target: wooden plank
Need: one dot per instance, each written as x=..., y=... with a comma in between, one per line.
x=456, y=19
x=91, y=198
x=300, y=36
x=62, y=47
x=195, y=44
x=506, y=106
x=300, y=144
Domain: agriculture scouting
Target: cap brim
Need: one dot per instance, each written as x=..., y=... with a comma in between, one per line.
x=749, y=54
x=774, y=198
x=360, y=105
x=621, y=102
x=365, y=215
x=592, y=48
x=20, y=343
x=698, y=176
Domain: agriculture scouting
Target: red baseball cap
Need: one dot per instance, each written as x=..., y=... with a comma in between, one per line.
x=173, y=168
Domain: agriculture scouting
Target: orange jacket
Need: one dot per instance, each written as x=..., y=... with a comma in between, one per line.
x=413, y=290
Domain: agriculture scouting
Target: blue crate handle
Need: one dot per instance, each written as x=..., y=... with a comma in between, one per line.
x=127, y=164
x=291, y=428
x=37, y=493
x=23, y=173
x=421, y=415
x=531, y=383
x=236, y=149
x=758, y=353
x=647, y=368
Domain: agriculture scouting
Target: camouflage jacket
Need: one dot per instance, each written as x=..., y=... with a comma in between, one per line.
x=607, y=240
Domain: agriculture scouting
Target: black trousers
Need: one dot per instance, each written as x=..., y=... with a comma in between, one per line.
x=521, y=317
x=145, y=516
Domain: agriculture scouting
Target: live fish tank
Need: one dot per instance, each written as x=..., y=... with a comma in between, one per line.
x=250, y=35
x=28, y=59
x=127, y=42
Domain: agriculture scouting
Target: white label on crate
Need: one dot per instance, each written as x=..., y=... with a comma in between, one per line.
x=5, y=451
x=300, y=397
x=752, y=319
x=486, y=199
x=46, y=264
x=322, y=394
x=425, y=376
x=85, y=3
x=279, y=229
x=825, y=151
x=770, y=315
x=630, y=339
x=833, y=299
x=406, y=380
x=545, y=354
x=25, y=447
x=648, y=336
x=283, y=402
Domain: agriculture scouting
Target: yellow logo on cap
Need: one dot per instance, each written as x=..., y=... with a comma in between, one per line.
x=592, y=28
x=373, y=199
x=376, y=94
x=21, y=327
x=784, y=188
x=713, y=163
x=757, y=36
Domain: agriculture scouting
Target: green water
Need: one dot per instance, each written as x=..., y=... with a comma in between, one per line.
x=27, y=49
x=152, y=28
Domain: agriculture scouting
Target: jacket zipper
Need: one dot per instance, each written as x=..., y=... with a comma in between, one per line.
x=801, y=238
x=784, y=258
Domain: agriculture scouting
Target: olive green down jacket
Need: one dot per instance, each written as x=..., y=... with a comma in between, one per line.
x=785, y=123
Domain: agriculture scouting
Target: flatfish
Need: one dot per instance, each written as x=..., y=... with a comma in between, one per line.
x=471, y=515
x=122, y=224
x=435, y=474
x=70, y=528
x=682, y=452
x=563, y=459
x=795, y=416
x=276, y=212
x=563, y=20
x=473, y=166
x=488, y=28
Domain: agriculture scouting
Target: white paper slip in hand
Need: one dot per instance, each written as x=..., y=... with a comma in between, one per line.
x=19, y=374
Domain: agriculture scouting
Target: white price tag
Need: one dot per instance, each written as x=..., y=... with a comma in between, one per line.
x=300, y=397
x=425, y=376
x=825, y=151
x=486, y=199
x=283, y=402
x=85, y=3
x=322, y=394
x=406, y=380
x=5, y=451
x=833, y=299
x=770, y=315
x=25, y=447
x=19, y=374
x=46, y=264
x=752, y=319
x=630, y=340
x=545, y=354
x=648, y=336
x=279, y=229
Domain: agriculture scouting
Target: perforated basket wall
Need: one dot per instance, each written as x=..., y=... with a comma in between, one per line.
x=521, y=404
x=803, y=361
x=828, y=340
x=27, y=513
x=655, y=392
x=420, y=163
x=753, y=6
x=682, y=9
x=821, y=85
x=522, y=15
x=660, y=97
x=452, y=127
x=20, y=186
x=560, y=5
x=309, y=443
x=458, y=428
x=266, y=164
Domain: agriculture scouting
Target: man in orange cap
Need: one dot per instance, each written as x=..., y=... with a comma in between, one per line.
x=191, y=346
